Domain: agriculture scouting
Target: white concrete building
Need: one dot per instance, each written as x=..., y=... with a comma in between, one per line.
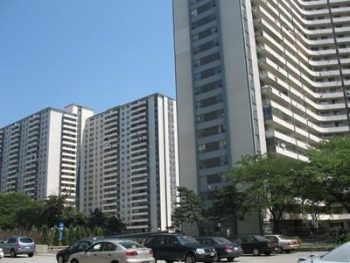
x=255, y=76
x=130, y=163
x=39, y=154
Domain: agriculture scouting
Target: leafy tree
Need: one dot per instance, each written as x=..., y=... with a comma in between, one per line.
x=53, y=210
x=329, y=168
x=268, y=183
x=96, y=218
x=231, y=202
x=189, y=209
x=10, y=204
x=113, y=225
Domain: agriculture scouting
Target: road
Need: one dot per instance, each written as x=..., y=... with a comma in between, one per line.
x=278, y=258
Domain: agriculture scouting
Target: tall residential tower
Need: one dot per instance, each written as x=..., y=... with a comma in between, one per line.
x=255, y=76
x=130, y=163
x=39, y=155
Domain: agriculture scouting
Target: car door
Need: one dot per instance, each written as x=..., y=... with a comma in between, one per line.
x=248, y=244
x=92, y=254
x=174, y=249
x=158, y=246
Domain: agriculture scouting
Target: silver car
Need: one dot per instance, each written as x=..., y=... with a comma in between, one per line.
x=114, y=251
x=338, y=255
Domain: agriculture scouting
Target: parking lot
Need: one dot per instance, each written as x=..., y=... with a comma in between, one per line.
x=275, y=258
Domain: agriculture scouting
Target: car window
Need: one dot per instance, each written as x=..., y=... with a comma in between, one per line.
x=340, y=254
x=25, y=240
x=95, y=248
x=106, y=246
x=206, y=241
x=130, y=244
x=171, y=240
x=272, y=238
x=12, y=240
x=74, y=246
x=159, y=240
x=186, y=240
x=222, y=240
x=84, y=245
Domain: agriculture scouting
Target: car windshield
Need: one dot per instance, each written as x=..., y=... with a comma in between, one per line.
x=222, y=240
x=130, y=244
x=26, y=240
x=283, y=237
x=340, y=254
x=187, y=240
x=260, y=238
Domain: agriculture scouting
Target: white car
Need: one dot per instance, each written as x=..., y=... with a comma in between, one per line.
x=338, y=255
x=284, y=243
x=1, y=253
x=114, y=250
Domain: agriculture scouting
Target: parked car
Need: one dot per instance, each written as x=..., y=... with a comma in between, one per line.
x=340, y=254
x=284, y=243
x=256, y=245
x=18, y=245
x=81, y=245
x=114, y=250
x=1, y=253
x=224, y=247
x=175, y=247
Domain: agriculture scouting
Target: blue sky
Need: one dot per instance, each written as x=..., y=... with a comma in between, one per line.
x=96, y=53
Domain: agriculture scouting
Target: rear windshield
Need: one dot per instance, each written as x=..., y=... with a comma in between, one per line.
x=222, y=240
x=25, y=240
x=130, y=244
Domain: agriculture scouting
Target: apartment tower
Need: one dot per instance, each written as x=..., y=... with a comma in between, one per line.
x=130, y=163
x=39, y=154
x=255, y=76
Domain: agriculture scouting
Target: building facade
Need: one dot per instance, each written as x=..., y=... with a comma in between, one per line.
x=130, y=163
x=255, y=76
x=39, y=154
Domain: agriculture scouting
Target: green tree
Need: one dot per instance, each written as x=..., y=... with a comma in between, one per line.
x=10, y=206
x=231, y=202
x=53, y=210
x=45, y=235
x=113, y=225
x=190, y=208
x=268, y=183
x=329, y=168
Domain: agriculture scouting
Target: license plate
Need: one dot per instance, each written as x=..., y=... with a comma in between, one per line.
x=212, y=254
x=235, y=248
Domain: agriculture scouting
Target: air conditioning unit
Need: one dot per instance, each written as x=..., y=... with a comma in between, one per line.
x=347, y=93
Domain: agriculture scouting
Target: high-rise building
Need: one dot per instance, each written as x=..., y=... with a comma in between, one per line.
x=255, y=76
x=130, y=164
x=39, y=154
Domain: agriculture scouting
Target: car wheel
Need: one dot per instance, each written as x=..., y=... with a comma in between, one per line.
x=169, y=261
x=287, y=251
x=256, y=252
x=30, y=254
x=13, y=253
x=190, y=259
x=74, y=261
x=267, y=253
x=280, y=250
x=217, y=258
x=60, y=259
x=231, y=259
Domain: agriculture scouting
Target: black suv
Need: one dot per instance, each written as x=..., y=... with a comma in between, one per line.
x=175, y=247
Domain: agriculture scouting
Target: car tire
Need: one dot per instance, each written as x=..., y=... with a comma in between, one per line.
x=74, y=261
x=13, y=253
x=217, y=258
x=30, y=255
x=287, y=251
x=268, y=253
x=60, y=259
x=256, y=252
x=190, y=259
x=231, y=259
x=280, y=250
x=168, y=261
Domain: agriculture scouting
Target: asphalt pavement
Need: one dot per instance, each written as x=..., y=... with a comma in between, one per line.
x=274, y=258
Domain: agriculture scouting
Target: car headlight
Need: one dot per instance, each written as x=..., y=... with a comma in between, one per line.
x=200, y=251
